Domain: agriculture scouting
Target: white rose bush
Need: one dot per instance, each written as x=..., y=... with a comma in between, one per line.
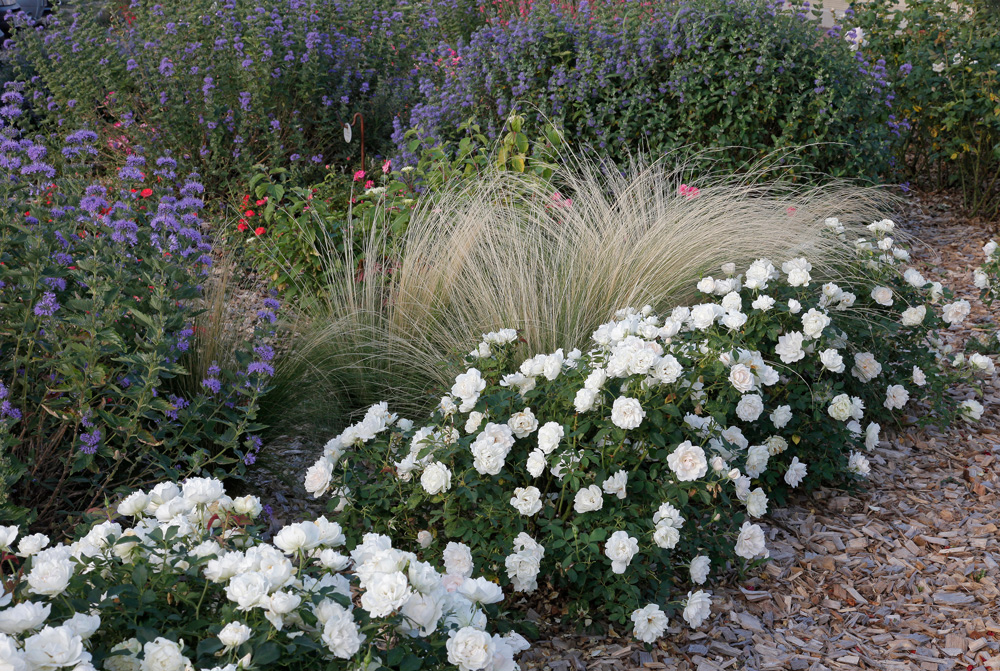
x=624, y=473
x=179, y=579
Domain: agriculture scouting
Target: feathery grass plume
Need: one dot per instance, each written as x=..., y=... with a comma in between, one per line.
x=503, y=250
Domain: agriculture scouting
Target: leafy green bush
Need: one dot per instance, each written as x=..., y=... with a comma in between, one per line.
x=297, y=235
x=188, y=583
x=945, y=60
x=701, y=74
x=619, y=473
x=100, y=284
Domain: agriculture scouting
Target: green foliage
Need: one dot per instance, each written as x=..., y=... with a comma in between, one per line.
x=100, y=290
x=950, y=99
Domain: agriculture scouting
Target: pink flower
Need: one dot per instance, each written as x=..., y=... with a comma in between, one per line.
x=560, y=202
x=359, y=175
x=386, y=166
x=790, y=211
x=369, y=184
x=689, y=192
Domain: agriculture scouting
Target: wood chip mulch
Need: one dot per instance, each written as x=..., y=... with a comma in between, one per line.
x=904, y=575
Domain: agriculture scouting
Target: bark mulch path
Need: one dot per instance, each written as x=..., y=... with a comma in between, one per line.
x=902, y=576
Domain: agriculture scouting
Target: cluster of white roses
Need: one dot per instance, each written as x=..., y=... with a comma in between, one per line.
x=638, y=354
x=301, y=569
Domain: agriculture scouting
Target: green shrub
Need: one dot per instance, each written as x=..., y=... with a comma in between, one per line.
x=100, y=290
x=701, y=74
x=783, y=380
x=945, y=60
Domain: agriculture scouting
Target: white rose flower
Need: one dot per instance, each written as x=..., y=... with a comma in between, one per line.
x=248, y=505
x=750, y=542
x=83, y=625
x=667, y=515
x=318, y=477
x=458, y=559
x=789, y=347
x=473, y=422
x=982, y=364
x=734, y=320
x=584, y=400
x=470, y=649
x=620, y=549
x=650, y=623
x=297, y=537
x=616, y=484
x=424, y=538
x=700, y=567
x=234, y=634
x=588, y=499
x=971, y=410
x=732, y=302
x=688, y=462
x=527, y=500
x=989, y=249
x=436, y=478
x=742, y=378
x=666, y=536
x=523, y=423
x=133, y=504
x=32, y=544
x=468, y=386
x=796, y=472
x=23, y=617
x=11, y=658
x=757, y=458
x=794, y=306
x=54, y=647
x=759, y=273
x=913, y=277
x=914, y=316
x=776, y=445
x=750, y=407
x=763, y=303
x=340, y=633
x=813, y=323
x=703, y=316
x=781, y=416
x=50, y=573
x=698, y=608
x=386, y=592
x=549, y=436
x=202, y=491
x=882, y=296
x=627, y=413
x=937, y=291
x=756, y=503
x=955, y=313
x=247, y=590
x=536, y=463
x=872, y=435
x=7, y=536
x=797, y=271
x=980, y=279
x=866, y=368
x=421, y=614
x=481, y=591
x=896, y=397
x=706, y=285
x=840, y=408
x=832, y=360
x=163, y=655
x=858, y=464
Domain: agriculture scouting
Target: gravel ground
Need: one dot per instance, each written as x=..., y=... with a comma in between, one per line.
x=901, y=576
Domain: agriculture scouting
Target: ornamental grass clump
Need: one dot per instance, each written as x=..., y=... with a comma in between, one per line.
x=626, y=472
x=551, y=258
x=101, y=288
x=178, y=577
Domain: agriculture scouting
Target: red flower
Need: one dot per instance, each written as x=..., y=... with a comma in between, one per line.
x=259, y=230
x=246, y=199
x=146, y=193
x=249, y=213
x=242, y=226
x=262, y=202
x=359, y=175
x=369, y=184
